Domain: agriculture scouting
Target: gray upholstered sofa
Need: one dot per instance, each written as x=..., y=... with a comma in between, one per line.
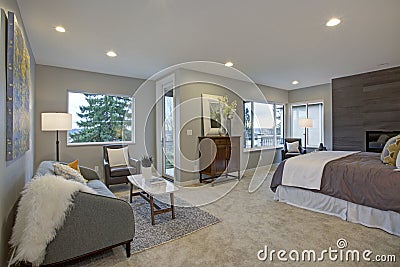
x=95, y=223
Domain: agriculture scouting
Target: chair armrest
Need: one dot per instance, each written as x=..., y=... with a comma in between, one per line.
x=89, y=173
x=94, y=222
x=283, y=152
x=136, y=164
x=106, y=166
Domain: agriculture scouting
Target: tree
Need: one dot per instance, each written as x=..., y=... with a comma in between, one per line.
x=248, y=123
x=104, y=119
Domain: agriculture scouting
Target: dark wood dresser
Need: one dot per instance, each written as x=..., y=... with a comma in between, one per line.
x=219, y=155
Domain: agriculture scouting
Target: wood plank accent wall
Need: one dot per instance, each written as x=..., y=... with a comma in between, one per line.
x=364, y=102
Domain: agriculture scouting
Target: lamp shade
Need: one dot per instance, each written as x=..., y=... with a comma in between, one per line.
x=56, y=121
x=305, y=123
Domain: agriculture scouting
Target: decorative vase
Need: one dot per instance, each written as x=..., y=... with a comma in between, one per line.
x=222, y=127
x=222, y=131
x=147, y=172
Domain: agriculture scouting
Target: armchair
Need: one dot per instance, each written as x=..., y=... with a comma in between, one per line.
x=286, y=154
x=117, y=174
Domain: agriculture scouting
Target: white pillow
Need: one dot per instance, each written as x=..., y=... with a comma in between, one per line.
x=293, y=147
x=118, y=157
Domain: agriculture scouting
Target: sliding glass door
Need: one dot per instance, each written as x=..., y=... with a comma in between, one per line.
x=168, y=144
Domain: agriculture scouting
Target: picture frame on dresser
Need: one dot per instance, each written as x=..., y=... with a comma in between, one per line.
x=211, y=114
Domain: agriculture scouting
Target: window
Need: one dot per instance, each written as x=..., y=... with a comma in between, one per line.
x=99, y=118
x=314, y=111
x=264, y=125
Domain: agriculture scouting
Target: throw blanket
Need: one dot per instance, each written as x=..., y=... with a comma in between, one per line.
x=41, y=212
x=305, y=171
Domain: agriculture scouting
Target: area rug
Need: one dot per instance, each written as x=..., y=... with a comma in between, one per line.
x=187, y=220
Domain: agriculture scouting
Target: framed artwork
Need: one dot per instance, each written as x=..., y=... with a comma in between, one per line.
x=211, y=114
x=17, y=92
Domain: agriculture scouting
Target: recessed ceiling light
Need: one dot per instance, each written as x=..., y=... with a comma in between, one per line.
x=111, y=54
x=295, y=82
x=60, y=29
x=333, y=22
x=229, y=64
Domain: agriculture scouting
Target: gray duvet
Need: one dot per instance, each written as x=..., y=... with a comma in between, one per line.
x=359, y=178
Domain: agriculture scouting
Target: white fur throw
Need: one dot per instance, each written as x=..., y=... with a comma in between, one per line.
x=41, y=212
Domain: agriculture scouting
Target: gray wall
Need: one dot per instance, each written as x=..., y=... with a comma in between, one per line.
x=52, y=84
x=373, y=101
x=191, y=85
x=14, y=174
x=319, y=92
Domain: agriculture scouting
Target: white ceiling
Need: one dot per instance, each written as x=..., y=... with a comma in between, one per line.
x=273, y=42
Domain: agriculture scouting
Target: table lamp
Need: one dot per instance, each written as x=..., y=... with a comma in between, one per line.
x=305, y=123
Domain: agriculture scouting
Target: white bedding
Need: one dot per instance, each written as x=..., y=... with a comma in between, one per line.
x=388, y=221
x=305, y=171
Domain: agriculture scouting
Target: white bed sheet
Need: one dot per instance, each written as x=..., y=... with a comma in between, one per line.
x=388, y=221
x=296, y=174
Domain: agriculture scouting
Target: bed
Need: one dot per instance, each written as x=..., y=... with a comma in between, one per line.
x=356, y=187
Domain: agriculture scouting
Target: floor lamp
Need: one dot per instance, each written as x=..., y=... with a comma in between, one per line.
x=305, y=123
x=56, y=122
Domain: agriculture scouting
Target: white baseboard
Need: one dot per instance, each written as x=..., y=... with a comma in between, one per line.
x=242, y=173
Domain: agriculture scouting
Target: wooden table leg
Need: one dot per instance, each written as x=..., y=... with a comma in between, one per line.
x=131, y=190
x=152, y=209
x=172, y=205
x=128, y=249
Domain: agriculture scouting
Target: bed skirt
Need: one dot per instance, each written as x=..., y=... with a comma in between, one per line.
x=388, y=221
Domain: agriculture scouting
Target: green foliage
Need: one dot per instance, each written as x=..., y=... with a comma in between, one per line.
x=247, y=122
x=147, y=161
x=227, y=109
x=104, y=119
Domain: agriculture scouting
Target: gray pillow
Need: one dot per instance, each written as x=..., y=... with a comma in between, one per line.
x=293, y=147
x=68, y=173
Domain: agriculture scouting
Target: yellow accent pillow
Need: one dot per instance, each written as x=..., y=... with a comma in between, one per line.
x=74, y=165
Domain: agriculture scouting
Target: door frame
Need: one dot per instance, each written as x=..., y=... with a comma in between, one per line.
x=159, y=122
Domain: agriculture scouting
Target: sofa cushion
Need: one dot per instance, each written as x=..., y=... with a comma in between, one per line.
x=122, y=171
x=100, y=188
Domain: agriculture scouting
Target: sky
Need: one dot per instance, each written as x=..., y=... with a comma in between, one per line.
x=263, y=117
x=74, y=101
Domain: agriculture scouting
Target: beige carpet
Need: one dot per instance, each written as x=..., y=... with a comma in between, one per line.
x=250, y=221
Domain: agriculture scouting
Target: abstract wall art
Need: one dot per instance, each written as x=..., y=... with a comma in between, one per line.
x=18, y=91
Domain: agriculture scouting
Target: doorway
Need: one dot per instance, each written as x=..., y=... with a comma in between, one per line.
x=166, y=127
